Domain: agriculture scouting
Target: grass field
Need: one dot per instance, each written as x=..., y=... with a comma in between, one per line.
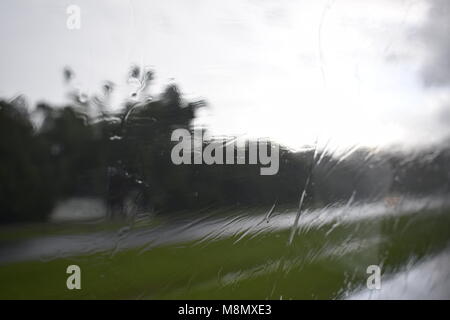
x=323, y=262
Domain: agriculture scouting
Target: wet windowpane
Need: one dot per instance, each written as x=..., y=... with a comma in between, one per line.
x=225, y=149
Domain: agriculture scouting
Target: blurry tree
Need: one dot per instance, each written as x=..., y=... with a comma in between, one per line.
x=27, y=191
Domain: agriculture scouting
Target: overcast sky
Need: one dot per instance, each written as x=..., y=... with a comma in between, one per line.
x=370, y=72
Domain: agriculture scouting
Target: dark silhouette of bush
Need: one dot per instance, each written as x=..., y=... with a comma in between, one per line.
x=27, y=191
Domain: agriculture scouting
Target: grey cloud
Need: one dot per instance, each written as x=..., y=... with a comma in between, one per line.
x=444, y=115
x=436, y=39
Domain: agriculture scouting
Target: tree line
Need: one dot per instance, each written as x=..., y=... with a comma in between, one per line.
x=83, y=149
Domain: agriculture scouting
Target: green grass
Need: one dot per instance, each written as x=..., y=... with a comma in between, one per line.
x=29, y=231
x=318, y=265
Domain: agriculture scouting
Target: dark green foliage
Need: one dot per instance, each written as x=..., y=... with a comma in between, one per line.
x=26, y=189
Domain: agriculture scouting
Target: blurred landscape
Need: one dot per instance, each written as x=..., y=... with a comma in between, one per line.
x=98, y=188
x=90, y=181
x=83, y=150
